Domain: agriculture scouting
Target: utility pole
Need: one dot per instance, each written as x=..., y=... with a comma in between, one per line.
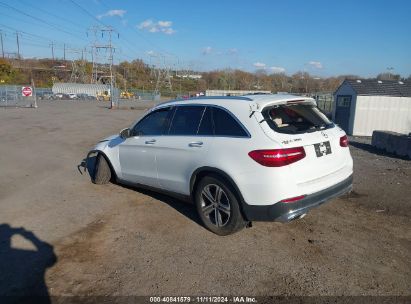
x=92, y=68
x=52, y=50
x=18, y=45
x=64, y=54
x=102, y=70
x=34, y=90
x=109, y=30
x=389, y=69
x=78, y=69
x=2, y=48
x=162, y=72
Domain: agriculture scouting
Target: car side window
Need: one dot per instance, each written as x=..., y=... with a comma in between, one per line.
x=153, y=124
x=206, y=124
x=186, y=120
x=226, y=125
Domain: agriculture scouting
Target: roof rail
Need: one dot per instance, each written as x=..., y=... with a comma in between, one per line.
x=222, y=97
x=208, y=97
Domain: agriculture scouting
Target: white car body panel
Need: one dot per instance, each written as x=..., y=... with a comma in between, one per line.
x=178, y=157
x=137, y=157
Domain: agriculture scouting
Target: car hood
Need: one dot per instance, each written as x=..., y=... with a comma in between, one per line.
x=109, y=142
x=109, y=138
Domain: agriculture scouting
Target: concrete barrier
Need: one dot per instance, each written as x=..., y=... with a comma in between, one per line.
x=392, y=142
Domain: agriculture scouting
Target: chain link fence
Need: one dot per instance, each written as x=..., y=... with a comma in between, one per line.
x=145, y=95
x=11, y=96
x=324, y=102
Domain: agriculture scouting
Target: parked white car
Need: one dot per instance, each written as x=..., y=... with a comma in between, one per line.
x=240, y=159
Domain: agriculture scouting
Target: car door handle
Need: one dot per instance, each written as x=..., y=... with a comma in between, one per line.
x=195, y=144
x=150, y=142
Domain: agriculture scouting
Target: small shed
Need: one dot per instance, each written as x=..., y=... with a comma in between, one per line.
x=364, y=105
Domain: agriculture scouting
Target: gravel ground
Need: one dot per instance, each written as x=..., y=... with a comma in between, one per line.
x=78, y=238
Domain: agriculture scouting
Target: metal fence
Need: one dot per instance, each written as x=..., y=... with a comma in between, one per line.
x=43, y=93
x=144, y=95
x=11, y=96
x=324, y=102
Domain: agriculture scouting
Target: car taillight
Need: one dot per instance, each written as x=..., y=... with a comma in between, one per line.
x=277, y=157
x=344, y=141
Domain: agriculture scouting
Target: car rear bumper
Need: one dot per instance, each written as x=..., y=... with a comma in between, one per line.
x=285, y=212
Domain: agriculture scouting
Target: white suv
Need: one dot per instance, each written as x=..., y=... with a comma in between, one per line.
x=240, y=159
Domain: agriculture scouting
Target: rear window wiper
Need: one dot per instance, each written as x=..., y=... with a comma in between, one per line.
x=311, y=130
x=315, y=128
x=321, y=126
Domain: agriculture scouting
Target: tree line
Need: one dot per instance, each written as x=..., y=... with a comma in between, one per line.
x=139, y=76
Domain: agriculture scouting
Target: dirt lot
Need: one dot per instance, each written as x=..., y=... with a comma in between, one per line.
x=121, y=241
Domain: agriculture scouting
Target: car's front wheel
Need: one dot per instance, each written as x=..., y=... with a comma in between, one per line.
x=218, y=207
x=102, y=172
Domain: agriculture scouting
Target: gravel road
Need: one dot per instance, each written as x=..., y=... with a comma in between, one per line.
x=113, y=240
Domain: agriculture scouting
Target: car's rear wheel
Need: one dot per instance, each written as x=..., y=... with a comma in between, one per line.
x=218, y=206
x=102, y=172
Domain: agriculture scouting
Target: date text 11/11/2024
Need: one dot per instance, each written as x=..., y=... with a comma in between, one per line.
x=202, y=299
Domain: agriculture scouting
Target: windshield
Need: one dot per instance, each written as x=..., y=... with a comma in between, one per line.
x=296, y=118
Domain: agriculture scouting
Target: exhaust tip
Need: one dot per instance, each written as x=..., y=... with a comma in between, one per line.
x=301, y=216
x=296, y=217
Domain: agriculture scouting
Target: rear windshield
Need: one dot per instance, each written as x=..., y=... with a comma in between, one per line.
x=296, y=118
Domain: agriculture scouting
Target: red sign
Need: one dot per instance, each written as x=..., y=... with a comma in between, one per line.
x=26, y=91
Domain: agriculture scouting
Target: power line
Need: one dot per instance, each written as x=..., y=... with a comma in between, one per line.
x=30, y=34
x=55, y=16
x=95, y=18
x=39, y=20
x=29, y=38
x=28, y=22
x=37, y=39
x=126, y=40
x=87, y=12
x=130, y=43
x=143, y=37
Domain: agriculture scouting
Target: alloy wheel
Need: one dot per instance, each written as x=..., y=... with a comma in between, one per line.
x=215, y=205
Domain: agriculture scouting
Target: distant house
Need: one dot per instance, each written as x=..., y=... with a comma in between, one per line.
x=362, y=106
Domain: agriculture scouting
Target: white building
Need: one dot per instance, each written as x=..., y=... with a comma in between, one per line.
x=190, y=76
x=362, y=106
x=80, y=88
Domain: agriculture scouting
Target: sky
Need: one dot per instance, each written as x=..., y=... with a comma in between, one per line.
x=324, y=38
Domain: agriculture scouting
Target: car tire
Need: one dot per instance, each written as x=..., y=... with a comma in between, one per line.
x=102, y=172
x=218, y=206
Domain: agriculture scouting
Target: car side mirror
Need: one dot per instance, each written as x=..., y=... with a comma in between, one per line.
x=125, y=133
